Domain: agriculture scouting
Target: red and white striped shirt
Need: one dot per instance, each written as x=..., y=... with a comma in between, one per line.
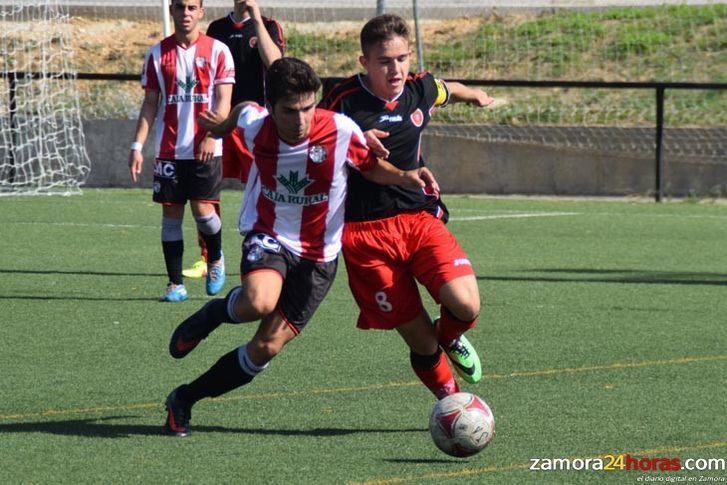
x=297, y=193
x=186, y=79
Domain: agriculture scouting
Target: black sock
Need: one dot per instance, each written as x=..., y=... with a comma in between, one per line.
x=221, y=378
x=426, y=362
x=173, y=251
x=214, y=245
x=215, y=311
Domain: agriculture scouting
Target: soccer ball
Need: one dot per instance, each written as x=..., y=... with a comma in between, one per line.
x=462, y=424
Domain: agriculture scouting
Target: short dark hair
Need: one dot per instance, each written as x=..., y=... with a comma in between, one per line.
x=382, y=28
x=289, y=76
x=201, y=3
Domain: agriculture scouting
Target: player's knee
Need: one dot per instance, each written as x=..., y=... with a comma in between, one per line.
x=263, y=349
x=465, y=310
x=262, y=305
x=260, y=302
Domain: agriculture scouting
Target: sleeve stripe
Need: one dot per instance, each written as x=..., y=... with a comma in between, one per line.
x=331, y=105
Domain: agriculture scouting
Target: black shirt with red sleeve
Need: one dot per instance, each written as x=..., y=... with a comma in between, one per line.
x=241, y=38
x=404, y=118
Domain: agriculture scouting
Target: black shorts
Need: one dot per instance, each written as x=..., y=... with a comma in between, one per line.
x=177, y=181
x=305, y=282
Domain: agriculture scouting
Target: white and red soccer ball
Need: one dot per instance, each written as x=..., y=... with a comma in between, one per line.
x=462, y=424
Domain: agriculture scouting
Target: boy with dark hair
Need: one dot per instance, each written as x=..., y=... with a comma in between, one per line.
x=395, y=236
x=293, y=222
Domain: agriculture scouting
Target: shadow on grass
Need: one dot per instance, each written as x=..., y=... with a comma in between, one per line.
x=425, y=461
x=627, y=276
x=97, y=428
x=80, y=298
x=86, y=273
x=76, y=272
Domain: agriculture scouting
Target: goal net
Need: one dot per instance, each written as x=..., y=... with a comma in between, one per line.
x=42, y=148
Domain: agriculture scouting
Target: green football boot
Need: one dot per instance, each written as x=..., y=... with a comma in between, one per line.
x=464, y=358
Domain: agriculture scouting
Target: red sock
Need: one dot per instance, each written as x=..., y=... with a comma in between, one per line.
x=450, y=327
x=435, y=373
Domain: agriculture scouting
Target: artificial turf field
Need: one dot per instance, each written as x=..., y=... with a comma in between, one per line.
x=603, y=332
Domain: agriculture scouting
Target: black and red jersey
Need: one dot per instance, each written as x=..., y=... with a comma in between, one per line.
x=404, y=118
x=241, y=38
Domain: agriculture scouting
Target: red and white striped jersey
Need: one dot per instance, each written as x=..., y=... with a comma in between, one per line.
x=296, y=193
x=186, y=79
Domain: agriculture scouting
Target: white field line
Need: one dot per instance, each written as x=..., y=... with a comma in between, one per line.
x=486, y=216
x=514, y=216
x=657, y=216
x=80, y=224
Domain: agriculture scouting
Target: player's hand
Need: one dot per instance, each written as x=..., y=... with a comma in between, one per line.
x=372, y=140
x=207, y=149
x=253, y=9
x=424, y=178
x=135, y=162
x=482, y=99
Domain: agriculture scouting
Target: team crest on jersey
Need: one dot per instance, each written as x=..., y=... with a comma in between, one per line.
x=200, y=61
x=417, y=117
x=317, y=154
x=253, y=42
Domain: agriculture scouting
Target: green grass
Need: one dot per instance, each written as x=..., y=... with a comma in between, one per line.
x=602, y=332
x=665, y=43
x=645, y=43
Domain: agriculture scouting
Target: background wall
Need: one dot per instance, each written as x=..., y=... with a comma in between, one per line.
x=464, y=163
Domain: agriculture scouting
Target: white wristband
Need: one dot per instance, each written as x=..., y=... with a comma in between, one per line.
x=136, y=146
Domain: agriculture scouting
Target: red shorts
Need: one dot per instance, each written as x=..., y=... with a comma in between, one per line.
x=236, y=158
x=385, y=258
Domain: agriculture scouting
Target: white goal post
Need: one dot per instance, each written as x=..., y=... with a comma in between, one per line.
x=42, y=148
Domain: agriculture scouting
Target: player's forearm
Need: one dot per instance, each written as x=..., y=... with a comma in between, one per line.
x=224, y=99
x=459, y=93
x=146, y=120
x=268, y=49
x=222, y=127
x=384, y=173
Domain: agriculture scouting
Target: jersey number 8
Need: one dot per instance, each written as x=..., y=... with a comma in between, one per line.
x=383, y=303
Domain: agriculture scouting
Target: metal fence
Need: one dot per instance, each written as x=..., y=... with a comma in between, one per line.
x=645, y=79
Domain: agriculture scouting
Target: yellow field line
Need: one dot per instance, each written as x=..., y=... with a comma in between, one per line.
x=469, y=472
x=614, y=366
x=392, y=385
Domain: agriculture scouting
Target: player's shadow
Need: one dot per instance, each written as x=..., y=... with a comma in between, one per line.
x=76, y=272
x=99, y=428
x=425, y=461
x=81, y=298
x=90, y=298
x=621, y=276
x=85, y=273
